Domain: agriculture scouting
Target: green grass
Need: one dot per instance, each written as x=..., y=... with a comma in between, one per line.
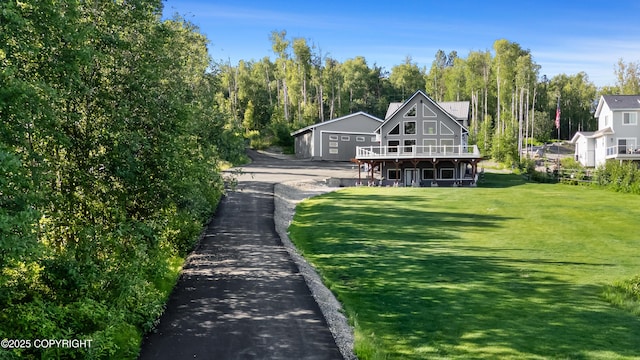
x=506, y=270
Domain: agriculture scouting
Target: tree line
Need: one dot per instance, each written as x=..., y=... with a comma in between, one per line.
x=511, y=102
x=111, y=141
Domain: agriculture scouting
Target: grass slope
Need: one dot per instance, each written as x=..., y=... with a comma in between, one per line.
x=506, y=270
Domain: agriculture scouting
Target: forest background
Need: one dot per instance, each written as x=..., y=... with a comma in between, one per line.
x=115, y=126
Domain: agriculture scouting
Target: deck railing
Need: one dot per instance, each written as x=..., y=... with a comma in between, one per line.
x=417, y=151
x=617, y=150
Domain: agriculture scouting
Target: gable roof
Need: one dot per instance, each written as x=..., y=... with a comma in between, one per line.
x=618, y=102
x=459, y=109
x=311, y=127
x=392, y=109
x=395, y=107
x=592, y=134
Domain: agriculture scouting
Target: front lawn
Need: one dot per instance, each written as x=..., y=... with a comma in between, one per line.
x=506, y=270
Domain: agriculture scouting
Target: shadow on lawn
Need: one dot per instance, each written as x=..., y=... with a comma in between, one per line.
x=425, y=295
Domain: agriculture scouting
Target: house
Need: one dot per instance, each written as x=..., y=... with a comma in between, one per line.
x=617, y=135
x=422, y=144
x=336, y=139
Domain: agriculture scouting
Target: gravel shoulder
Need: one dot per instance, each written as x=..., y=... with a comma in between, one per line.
x=286, y=197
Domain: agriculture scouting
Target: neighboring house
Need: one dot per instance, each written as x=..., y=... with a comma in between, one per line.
x=336, y=139
x=618, y=132
x=422, y=144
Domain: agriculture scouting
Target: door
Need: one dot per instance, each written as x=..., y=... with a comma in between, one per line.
x=410, y=176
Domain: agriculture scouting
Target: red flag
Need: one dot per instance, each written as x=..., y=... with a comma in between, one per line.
x=558, y=116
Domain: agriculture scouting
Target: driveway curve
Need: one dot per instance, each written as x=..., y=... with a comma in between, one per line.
x=240, y=295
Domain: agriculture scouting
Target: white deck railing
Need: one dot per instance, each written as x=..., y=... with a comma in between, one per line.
x=621, y=151
x=415, y=151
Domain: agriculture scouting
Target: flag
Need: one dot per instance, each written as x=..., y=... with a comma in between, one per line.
x=558, y=115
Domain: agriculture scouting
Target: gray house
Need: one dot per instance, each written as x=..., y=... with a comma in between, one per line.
x=336, y=139
x=423, y=144
x=618, y=132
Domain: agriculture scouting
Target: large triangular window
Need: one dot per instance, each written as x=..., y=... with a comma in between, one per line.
x=427, y=112
x=412, y=112
x=445, y=130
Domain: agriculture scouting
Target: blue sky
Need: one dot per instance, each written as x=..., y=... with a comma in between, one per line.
x=563, y=36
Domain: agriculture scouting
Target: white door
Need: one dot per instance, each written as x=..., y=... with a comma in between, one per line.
x=410, y=176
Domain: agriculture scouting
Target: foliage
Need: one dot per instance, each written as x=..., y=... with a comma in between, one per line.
x=475, y=273
x=110, y=144
x=302, y=86
x=620, y=177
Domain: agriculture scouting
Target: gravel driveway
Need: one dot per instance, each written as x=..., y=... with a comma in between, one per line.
x=244, y=292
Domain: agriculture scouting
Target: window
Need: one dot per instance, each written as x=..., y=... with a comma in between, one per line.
x=427, y=112
x=606, y=121
x=447, y=173
x=333, y=151
x=445, y=130
x=626, y=146
x=333, y=137
x=345, y=138
x=393, y=174
x=395, y=130
x=408, y=145
x=629, y=118
x=429, y=142
x=410, y=128
x=429, y=127
x=427, y=174
x=412, y=112
x=333, y=144
x=393, y=145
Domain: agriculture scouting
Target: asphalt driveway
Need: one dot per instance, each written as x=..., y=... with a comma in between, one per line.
x=240, y=296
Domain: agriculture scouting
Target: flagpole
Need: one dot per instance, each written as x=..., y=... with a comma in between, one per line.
x=558, y=127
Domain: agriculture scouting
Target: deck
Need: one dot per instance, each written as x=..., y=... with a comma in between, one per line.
x=417, y=152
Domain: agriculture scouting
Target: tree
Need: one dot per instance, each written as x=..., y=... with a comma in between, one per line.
x=407, y=77
x=628, y=77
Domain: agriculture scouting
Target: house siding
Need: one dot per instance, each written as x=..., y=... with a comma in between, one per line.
x=315, y=142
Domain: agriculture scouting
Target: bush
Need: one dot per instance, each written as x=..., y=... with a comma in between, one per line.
x=618, y=177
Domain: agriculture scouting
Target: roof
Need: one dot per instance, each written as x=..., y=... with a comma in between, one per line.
x=394, y=108
x=619, y=102
x=591, y=134
x=311, y=127
x=459, y=109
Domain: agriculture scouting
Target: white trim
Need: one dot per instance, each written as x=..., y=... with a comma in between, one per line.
x=415, y=127
x=312, y=127
x=448, y=128
x=630, y=123
x=414, y=108
x=426, y=109
x=398, y=175
x=448, y=169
